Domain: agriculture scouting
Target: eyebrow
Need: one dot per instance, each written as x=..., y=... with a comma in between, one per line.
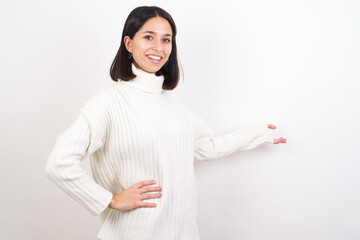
x=152, y=32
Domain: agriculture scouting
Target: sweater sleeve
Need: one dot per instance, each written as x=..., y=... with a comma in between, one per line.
x=84, y=136
x=208, y=146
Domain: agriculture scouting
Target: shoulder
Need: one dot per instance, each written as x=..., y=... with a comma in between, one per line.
x=175, y=101
x=104, y=93
x=102, y=97
x=100, y=102
x=192, y=117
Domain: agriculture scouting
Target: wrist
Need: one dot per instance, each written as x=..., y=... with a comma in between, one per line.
x=112, y=202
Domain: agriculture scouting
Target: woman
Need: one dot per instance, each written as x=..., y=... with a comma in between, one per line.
x=136, y=134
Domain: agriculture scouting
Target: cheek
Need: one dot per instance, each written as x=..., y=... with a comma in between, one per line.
x=140, y=48
x=168, y=50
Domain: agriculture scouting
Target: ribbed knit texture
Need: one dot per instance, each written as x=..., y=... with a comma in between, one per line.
x=134, y=131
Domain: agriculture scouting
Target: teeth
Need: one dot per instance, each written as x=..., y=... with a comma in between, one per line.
x=154, y=57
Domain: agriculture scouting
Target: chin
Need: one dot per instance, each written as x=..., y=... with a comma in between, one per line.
x=154, y=70
x=151, y=68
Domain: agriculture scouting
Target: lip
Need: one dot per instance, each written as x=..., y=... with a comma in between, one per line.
x=154, y=55
x=153, y=60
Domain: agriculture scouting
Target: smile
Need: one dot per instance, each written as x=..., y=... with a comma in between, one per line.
x=154, y=57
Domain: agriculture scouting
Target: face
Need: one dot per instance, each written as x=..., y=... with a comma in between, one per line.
x=151, y=45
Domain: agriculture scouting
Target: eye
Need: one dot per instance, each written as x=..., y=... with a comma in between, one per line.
x=167, y=40
x=148, y=37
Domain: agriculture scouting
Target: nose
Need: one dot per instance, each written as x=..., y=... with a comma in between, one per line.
x=157, y=45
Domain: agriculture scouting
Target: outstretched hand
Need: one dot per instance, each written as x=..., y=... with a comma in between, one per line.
x=279, y=140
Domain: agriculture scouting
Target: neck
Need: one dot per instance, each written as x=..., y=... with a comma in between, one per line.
x=145, y=81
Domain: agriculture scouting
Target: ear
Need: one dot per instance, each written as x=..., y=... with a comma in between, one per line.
x=128, y=43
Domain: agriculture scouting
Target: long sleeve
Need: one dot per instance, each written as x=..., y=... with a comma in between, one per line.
x=208, y=146
x=79, y=141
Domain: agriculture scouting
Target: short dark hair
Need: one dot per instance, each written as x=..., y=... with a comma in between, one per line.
x=121, y=66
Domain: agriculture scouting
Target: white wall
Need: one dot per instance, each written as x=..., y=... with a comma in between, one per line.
x=293, y=63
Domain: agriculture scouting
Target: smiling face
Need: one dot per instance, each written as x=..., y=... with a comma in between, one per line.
x=151, y=45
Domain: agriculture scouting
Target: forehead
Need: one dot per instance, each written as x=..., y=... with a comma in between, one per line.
x=158, y=25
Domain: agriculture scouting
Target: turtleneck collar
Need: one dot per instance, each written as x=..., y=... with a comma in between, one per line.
x=145, y=81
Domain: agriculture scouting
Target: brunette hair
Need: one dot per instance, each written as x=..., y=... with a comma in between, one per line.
x=121, y=66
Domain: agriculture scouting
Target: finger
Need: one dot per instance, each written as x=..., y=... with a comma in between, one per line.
x=280, y=140
x=271, y=126
x=148, y=196
x=147, y=204
x=144, y=183
x=149, y=189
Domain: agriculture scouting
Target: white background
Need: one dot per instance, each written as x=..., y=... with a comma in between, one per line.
x=292, y=63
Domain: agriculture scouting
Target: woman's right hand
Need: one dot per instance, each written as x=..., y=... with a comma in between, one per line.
x=132, y=197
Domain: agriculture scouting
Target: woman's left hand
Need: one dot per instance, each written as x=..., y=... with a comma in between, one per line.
x=279, y=140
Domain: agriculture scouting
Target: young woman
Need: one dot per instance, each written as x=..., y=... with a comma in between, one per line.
x=142, y=142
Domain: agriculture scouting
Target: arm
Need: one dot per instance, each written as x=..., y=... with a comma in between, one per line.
x=208, y=146
x=79, y=141
x=245, y=138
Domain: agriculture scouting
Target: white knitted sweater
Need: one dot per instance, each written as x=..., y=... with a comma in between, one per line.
x=134, y=131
